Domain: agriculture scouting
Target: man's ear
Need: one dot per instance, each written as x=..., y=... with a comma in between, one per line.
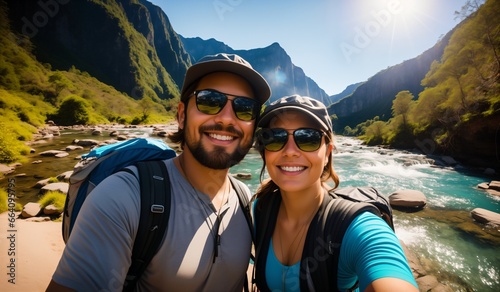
x=181, y=114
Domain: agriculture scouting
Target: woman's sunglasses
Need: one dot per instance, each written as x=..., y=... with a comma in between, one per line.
x=211, y=102
x=306, y=139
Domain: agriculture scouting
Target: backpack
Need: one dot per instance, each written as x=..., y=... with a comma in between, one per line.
x=147, y=155
x=319, y=259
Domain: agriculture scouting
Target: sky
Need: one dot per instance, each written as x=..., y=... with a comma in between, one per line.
x=336, y=42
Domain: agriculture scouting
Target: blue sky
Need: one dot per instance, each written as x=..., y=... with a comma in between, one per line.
x=335, y=42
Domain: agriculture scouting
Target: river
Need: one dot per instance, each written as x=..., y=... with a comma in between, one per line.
x=442, y=235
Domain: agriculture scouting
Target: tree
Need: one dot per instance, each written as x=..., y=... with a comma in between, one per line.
x=401, y=105
x=74, y=110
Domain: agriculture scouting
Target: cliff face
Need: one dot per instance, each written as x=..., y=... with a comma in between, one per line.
x=116, y=42
x=374, y=97
x=272, y=62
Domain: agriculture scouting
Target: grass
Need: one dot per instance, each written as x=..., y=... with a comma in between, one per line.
x=53, y=198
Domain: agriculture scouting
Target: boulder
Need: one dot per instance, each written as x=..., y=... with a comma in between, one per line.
x=427, y=283
x=485, y=216
x=494, y=185
x=61, y=187
x=31, y=210
x=408, y=199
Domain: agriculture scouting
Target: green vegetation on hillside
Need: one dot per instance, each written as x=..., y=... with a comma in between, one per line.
x=459, y=109
x=31, y=93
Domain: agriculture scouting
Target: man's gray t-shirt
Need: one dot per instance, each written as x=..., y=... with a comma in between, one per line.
x=97, y=255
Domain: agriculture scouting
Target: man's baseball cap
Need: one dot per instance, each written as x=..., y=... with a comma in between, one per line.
x=223, y=62
x=305, y=104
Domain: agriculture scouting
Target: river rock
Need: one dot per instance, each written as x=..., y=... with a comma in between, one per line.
x=51, y=210
x=61, y=187
x=494, y=185
x=86, y=142
x=408, y=199
x=485, y=216
x=31, y=210
x=245, y=176
x=415, y=265
x=41, y=183
x=73, y=147
x=426, y=283
x=54, y=153
x=6, y=169
x=64, y=176
x=483, y=186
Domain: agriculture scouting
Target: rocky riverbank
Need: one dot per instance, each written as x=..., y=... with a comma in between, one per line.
x=428, y=274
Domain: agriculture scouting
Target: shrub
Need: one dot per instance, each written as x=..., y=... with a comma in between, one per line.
x=3, y=201
x=53, y=198
x=74, y=110
x=11, y=148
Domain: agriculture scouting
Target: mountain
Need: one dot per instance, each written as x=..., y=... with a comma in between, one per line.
x=346, y=92
x=374, y=97
x=272, y=62
x=127, y=44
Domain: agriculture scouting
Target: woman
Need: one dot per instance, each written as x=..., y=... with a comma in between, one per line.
x=295, y=140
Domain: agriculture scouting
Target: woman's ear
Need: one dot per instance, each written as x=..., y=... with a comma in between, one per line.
x=328, y=153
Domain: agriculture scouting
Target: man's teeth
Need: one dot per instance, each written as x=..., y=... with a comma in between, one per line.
x=292, y=168
x=221, y=137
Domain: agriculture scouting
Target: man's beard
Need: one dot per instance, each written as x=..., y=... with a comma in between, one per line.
x=218, y=158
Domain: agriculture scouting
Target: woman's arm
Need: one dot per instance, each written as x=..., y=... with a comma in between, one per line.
x=372, y=254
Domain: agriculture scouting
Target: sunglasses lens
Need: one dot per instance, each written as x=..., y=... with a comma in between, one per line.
x=307, y=140
x=210, y=102
x=246, y=109
x=274, y=139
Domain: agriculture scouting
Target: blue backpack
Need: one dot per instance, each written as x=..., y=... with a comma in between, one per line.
x=147, y=155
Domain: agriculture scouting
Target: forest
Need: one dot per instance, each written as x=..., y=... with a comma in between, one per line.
x=458, y=112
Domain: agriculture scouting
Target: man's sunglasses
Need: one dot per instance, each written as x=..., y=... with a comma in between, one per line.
x=306, y=139
x=211, y=102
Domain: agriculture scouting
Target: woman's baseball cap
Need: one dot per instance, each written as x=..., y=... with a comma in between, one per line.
x=305, y=104
x=223, y=62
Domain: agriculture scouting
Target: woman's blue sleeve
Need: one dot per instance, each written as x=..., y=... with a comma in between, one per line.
x=370, y=250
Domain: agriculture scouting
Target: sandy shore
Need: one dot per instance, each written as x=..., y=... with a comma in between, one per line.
x=37, y=246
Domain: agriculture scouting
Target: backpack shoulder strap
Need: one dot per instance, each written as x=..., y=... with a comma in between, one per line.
x=244, y=200
x=338, y=215
x=265, y=215
x=245, y=206
x=155, y=212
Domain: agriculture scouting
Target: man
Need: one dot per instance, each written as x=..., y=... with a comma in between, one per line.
x=207, y=243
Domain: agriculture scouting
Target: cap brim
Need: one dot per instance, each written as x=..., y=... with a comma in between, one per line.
x=259, y=85
x=266, y=118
